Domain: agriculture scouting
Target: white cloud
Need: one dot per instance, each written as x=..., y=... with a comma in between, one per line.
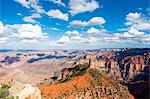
x=55, y=29
x=91, y=22
x=25, y=36
x=123, y=29
x=2, y=28
x=138, y=21
x=31, y=4
x=36, y=15
x=24, y=3
x=29, y=31
x=38, y=9
x=57, y=14
x=35, y=7
x=64, y=40
x=92, y=30
x=72, y=33
x=101, y=36
x=70, y=37
x=3, y=40
x=96, y=21
x=31, y=18
x=77, y=23
x=21, y=32
x=19, y=14
x=76, y=38
x=80, y=6
x=133, y=33
x=142, y=26
x=59, y=2
x=133, y=16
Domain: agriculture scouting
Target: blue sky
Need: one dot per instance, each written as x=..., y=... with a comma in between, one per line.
x=74, y=24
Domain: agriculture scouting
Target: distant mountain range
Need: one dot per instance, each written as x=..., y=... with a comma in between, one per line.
x=10, y=50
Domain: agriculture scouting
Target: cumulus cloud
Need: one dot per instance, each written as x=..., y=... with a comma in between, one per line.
x=91, y=22
x=138, y=21
x=70, y=37
x=35, y=7
x=74, y=37
x=92, y=30
x=31, y=18
x=133, y=32
x=21, y=32
x=133, y=17
x=80, y=6
x=58, y=2
x=57, y=14
x=133, y=36
x=29, y=31
x=24, y=36
x=102, y=36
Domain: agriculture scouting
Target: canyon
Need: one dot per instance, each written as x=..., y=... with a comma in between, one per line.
x=77, y=74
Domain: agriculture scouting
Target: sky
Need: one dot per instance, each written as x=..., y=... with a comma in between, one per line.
x=74, y=24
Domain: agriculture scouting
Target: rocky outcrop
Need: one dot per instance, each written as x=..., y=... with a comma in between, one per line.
x=132, y=66
x=26, y=91
x=110, y=66
x=91, y=85
x=68, y=73
x=127, y=65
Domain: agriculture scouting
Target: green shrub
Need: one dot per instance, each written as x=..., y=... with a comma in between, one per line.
x=5, y=86
x=4, y=92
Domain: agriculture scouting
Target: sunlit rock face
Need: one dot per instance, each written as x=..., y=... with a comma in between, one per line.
x=90, y=85
x=108, y=65
x=26, y=91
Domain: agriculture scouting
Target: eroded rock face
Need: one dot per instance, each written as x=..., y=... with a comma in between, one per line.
x=110, y=66
x=66, y=73
x=132, y=66
x=126, y=65
x=26, y=91
x=91, y=85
